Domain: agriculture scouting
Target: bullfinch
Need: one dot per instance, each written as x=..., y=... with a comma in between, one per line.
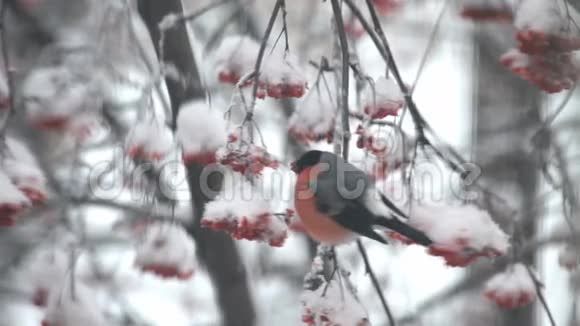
x=336, y=201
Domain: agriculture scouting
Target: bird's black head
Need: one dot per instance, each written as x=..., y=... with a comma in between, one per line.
x=307, y=160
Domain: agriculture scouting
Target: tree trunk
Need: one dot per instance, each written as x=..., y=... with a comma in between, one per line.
x=508, y=168
x=217, y=250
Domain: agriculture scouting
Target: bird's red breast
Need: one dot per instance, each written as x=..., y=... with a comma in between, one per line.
x=319, y=226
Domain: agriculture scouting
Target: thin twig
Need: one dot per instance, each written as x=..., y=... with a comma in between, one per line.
x=384, y=48
x=429, y=46
x=561, y=107
x=375, y=281
x=148, y=64
x=538, y=286
x=345, y=78
x=257, y=67
x=477, y=277
x=285, y=26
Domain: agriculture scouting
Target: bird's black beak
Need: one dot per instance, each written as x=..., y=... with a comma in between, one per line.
x=293, y=167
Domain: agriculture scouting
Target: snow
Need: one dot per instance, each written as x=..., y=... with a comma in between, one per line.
x=167, y=245
x=44, y=270
x=236, y=54
x=382, y=142
x=512, y=288
x=314, y=116
x=385, y=95
x=280, y=73
x=242, y=211
x=515, y=60
x=447, y=224
x=68, y=308
x=331, y=303
x=20, y=152
x=540, y=15
x=249, y=160
x=282, y=67
x=460, y=233
x=150, y=139
x=200, y=129
x=515, y=278
x=58, y=93
x=23, y=170
x=9, y=194
x=552, y=72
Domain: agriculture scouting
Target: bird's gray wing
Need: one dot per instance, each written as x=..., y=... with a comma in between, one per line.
x=339, y=184
x=339, y=193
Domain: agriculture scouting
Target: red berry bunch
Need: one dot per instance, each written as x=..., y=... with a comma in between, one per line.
x=167, y=251
x=540, y=43
x=262, y=227
x=487, y=11
x=552, y=72
x=511, y=289
x=249, y=160
x=462, y=254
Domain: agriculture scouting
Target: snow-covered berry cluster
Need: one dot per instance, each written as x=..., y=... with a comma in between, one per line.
x=376, y=144
x=245, y=217
x=330, y=303
x=249, y=160
x=61, y=98
x=149, y=140
x=201, y=132
x=74, y=308
x=314, y=118
x=543, y=28
x=22, y=182
x=384, y=148
x=511, y=289
x=280, y=75
x=552, y=72
x=546, y=42
x=167, y=251
x=46, y=278
x=460, y=234
x=381, y=99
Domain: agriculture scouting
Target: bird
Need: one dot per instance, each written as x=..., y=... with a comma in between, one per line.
x=337, y=202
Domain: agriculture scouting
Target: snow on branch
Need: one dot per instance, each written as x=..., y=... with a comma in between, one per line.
x=280, y=76
x=166, y=250
x=461, y=234
x=244, y=214
x=330, y=302
x=201, y=131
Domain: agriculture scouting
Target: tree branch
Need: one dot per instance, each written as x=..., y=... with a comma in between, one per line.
x=346, y=140
x=262, y=51
x=375, y=281
x=479, y=276
x=345, y=78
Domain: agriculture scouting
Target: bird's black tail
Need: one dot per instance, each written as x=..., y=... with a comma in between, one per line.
x=404, y=229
